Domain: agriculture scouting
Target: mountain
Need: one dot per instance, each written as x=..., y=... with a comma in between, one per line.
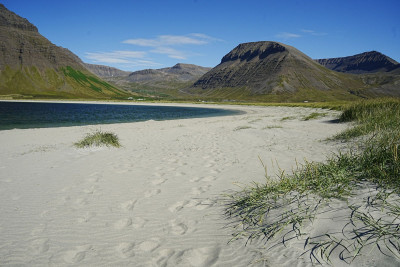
x=106, y=71
x=31, y=66
x=368, y=62
x=160, y=83
x=259, y=70
x=179, y=72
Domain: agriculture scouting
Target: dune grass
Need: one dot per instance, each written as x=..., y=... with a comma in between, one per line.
x=283, y=207
x=315, y=115
x=99, y=138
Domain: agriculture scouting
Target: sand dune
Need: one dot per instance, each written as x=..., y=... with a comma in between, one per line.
x=152, y=202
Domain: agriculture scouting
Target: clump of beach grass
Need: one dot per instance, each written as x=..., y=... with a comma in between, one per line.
x=288, y=118
x=284, y=206
x=242, y=128
x=315, y=115
x=272, y=127
x=99, y=138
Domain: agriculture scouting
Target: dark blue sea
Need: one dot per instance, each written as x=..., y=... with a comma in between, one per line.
x=23, y=115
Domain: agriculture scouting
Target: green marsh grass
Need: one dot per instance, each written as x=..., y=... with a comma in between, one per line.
x=99, y=138
x=283, y=207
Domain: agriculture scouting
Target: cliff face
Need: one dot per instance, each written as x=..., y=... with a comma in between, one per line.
x=22, y=45
x=11, y=20
x=31, y=65
x=269, y=67
x=368, y=62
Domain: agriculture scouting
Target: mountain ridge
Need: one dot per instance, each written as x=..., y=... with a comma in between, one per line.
x=268, y=67
x=30, y=65
x=367, y=62
x=180, y=72
x=104, y=71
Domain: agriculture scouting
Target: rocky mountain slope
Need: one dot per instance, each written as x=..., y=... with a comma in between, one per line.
x=106, y=71
x=368, y=62
x=160, y=83
x=179, y=72
x=30, y=65
x=265, y=68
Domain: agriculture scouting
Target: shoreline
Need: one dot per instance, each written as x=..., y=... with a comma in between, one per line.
x=152, y=202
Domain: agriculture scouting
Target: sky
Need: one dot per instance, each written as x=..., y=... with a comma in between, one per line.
x=150, y=34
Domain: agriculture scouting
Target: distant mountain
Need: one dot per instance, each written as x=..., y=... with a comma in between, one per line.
x=106, y=71
x=160, y=83
x=30, y=65
x=368, y=62
x=253, y=70
x=179, y=72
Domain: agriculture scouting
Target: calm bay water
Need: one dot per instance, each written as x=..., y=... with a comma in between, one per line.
x=24, y=115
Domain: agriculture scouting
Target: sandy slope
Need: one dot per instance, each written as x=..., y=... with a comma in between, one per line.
x=151, y=202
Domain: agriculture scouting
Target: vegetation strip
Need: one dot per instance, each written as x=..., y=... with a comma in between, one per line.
x=279, y=210
x=99, y=138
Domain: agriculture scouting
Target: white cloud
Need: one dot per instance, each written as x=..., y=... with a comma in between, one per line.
x=170, y=52
x=287, y=35
x=312, y=32
x=206, y=37
x=115, y=56
x=126, y=58
x=142, y=42
x=172, y=40
x=166, y=44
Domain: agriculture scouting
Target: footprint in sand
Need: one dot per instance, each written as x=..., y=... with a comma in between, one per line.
x=200, y=190
x=216, y=171
x=192, y=203
x=94, y=177
x=201, y=257
x=149, y=245
x=81, y=201
x=88, y=216
x=159, y=181
x=163, y=256
x=209, y=178
x=157, y=174
x=178, y=206
x=128, y=205
x=177, y=228
x=125, y=250
x=196, y=204
x=178, y=174
x=205, y=204
x=195, y=179
x=123, y=223
x=209, y=165
x=90, y=190
x=138, y=222
x=39, y=246
x=152, y=192
x=76, y=255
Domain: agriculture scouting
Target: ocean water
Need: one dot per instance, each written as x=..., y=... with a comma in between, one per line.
x=23, y=115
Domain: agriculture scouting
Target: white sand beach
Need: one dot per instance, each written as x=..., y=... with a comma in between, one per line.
x=151, y=202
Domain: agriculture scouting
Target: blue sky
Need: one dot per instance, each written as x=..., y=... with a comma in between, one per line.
x=140, y=34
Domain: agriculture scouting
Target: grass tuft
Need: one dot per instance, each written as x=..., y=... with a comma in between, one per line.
x=285, y=206
x=99, y=138
x=241, y=128
x=315, y=115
